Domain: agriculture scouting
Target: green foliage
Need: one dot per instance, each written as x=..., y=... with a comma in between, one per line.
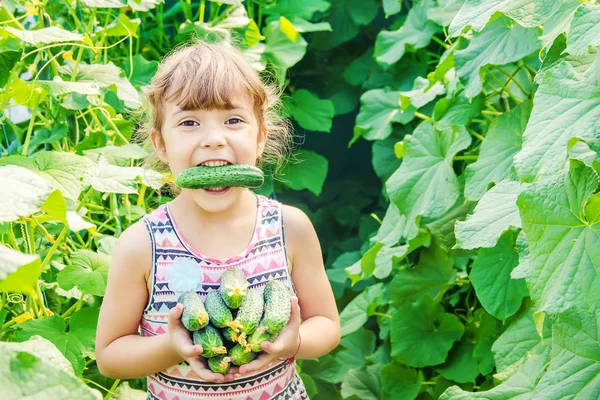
x=464, y=263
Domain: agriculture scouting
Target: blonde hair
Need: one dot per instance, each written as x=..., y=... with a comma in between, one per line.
x=202, y=75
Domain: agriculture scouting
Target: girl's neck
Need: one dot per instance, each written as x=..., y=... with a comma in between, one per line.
x=187, y=208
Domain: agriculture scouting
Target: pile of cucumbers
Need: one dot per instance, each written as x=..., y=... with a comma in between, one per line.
x=232, y=322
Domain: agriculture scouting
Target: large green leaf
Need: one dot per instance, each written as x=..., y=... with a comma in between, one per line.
x=105, y=75
x=52, y=34
x=363, y=383
x=75, y=344
x=561, y=221
x=501, y=42
x=34, y=370
x=345, y=17
x=24, y=192
x=431, y=276
x=8, y=59
x=378, y=109
x=425, y=184
x=529, y=13
x=500, y=295
x=64, y=170
x=18, y=272
x=308, y=173
x=422, y=333
x=574, y=371
x=354, y=316
x=518, y=343
x=117, y=155
x=584, y=33
x=461, y=366
x=502, y=141
x=88, y=271
x=294, y=9
x=400, y=382
x=108, y=178
x=519, y=387
x=559, y=22
x=58, y=87
x=384, y=158
x=566, y=105
x=495, y=213
x=311, y=112
x=391, y=228
x=416, y=33
x=284, y=46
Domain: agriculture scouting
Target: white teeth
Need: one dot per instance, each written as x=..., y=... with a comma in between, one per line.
x=217, y=188
x=214, y=163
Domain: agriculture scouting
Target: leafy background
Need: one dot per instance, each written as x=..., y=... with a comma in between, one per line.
x=449, y=163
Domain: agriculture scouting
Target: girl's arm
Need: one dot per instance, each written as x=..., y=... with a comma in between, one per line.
x=316, y=307
x=120, y=352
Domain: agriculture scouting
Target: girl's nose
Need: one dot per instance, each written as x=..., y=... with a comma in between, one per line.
x=214, y=138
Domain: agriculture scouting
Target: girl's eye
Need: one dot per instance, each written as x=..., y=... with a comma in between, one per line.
x=187, y=122
x=234, y=120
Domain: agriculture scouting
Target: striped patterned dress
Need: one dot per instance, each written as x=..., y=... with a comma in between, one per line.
x=173, y=258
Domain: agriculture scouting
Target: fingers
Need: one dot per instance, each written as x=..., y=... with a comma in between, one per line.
x=199, y=367
x=259, y=363
x=271, y=348
x=175, y=314
x=191, y=351
x=295, y=315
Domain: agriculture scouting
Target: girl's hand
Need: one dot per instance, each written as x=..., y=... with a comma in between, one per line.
x=182, y=343
x=284, y=346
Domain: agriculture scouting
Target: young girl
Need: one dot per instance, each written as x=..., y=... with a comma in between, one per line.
x=207, y=106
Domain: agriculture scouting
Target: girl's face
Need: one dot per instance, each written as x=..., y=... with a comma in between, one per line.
x=189, y=138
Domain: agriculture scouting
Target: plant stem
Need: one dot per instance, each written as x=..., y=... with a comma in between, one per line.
x=381, y=314
x=113, y=387
x=202, y=10
x=440, y=42
x=36, y=101
x=475, y=134
x=465, y=158
x=60, y=238
x=423, y=117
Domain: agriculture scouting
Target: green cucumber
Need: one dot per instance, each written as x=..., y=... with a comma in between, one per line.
x=240, y=355
x=259, y=336
x=219, y=364
x=194, y=315
x=230, y=335
x=250, y=311
x=233, y=288
x=204, y=176
x=220, y=316
x=211, y=341
x=278, y=306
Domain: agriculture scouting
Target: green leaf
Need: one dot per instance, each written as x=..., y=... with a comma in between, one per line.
x=518, y=343
x=8, y=59
x=58, y=87
x=501, y=42
x=143, y=70
x=363, y=383
x=528, y=13
x=284, y=45
x=354, y=316
x=41, y=36
x=309, y=173
x=105, y=75
x=584, y=33
x=575, y=365
x=392, y=226
x=387, y=257
x=384, y=159
x=457, y=111
x=104, y=3
x=566, y=105
x=108, y=178
x=416, y=33
x=24, y=192
x=294, y=9
x=432, y=276
x=75, y=344
x=357, y=346
x=303, y=26
x=391, y=7
x=559, y=22
x=560, y=221
x=121, y=26
x=425, y=184
x=33, y=369
x=421, y=94
x=379, y=108
x=400, y=382
x=495, y=213
x=358, y=70
x=117, y=155
x=18, y=272
x=310, y=112
x=502, y=141
x=63, y=170
x=461, y=366
x=422, y=333
x=88, y=271
x=519, y=386
x=500, y=295
x=126, y=392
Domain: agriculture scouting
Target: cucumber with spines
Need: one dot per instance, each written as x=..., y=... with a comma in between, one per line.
x=278, y=306
x=241, y=355
x=204, y=176
x=219, y=364
x=211, y=341
x=233, y=288
x=259, y=336
x=250, y=311
x=194, y=315
x=218, y=312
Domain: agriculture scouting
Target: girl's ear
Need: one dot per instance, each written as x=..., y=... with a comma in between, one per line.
x=159, y=144
x=262, y=139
